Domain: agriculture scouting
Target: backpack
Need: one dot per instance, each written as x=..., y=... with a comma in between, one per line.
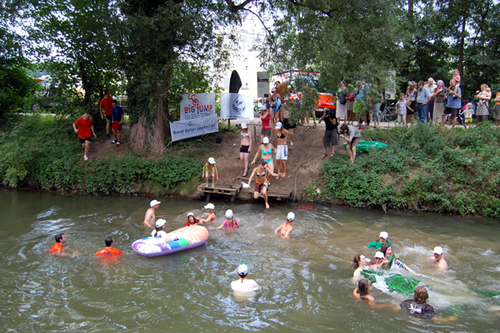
x=342, y=99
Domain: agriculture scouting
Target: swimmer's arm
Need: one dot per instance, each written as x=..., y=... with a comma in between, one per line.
x=445, y=320
x=220, y=227
x=277, y=230
x=216, y=173
x=375, y=305
x=372, y=244
x=270, y=172
x=251, y=141
x=287, y=234
x=273, y=148
x=257, y=154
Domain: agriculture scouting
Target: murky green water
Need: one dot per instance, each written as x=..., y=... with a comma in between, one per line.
x=305, y=282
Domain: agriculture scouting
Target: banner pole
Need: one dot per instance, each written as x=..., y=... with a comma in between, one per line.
x=229, y=124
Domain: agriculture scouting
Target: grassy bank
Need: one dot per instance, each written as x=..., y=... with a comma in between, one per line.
x=423, y=169
x=44, y=153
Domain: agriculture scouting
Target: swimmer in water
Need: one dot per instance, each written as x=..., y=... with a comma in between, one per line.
x=359, y=263
x=160, y=230
x=387, y=251
x=438, y=259
x=418, y=306
x=244, y=285
x=150, y=218
x=361, y=293
x=109, y=250
x=286, y=228
x=192, y=220
x=380, y=242
x=379, y=260
x=230, y=222
x=58, y=250
x=210, y=214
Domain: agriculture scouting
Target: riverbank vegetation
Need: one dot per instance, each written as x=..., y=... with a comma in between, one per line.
x=424, y=169
x=44, y=153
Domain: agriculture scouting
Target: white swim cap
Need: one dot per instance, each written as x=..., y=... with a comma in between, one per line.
x=265, y=140
x=244, y=125
x=262, y=107
x=190, y=214
x=229, y=213
x=279, y=125
x=154, y=203
x=384, y=235
x=211, y=160
x=290, y=216
x=243, y=269
x=209, y=206
x=160, y=223
x=438, y=250
x=379, y=255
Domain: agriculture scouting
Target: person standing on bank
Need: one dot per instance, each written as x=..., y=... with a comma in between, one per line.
x=352, y=135
x=117, y=123
x=84, y=128
x=107, y=105
x=482, y=109
x=245, y=147
x=282, y=149
x=423, y=97
x=331, y=137
x=454, y=102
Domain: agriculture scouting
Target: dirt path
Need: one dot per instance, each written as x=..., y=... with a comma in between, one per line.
x=304, y=161
x=103, y=147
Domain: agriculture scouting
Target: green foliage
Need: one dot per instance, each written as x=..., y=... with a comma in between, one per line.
x=42, y=152
x=423, y=169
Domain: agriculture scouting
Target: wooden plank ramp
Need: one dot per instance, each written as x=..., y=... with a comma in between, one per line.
x=227, y=190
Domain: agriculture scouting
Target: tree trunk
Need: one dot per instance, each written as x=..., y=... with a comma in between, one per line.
x=141, y=136
x=462, y=40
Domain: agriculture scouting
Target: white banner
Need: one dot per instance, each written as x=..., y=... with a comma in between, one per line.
x=180, y=130
x=236, y=106
x=195, y=106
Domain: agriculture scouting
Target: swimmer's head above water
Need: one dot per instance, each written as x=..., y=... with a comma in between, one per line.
x=359, y=261
x=383, y=237
x=243, y=270
x=290, y=217
x=420, y=294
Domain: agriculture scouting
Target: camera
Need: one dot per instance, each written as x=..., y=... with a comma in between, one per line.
x=332, y=114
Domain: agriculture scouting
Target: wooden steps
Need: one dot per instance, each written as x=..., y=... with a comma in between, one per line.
x=227, y=190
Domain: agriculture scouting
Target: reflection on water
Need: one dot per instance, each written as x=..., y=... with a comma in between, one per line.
x=306, y=282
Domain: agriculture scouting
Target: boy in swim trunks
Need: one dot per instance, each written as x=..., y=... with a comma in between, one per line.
x=84, y=128
x=117, y=123
x=282, y=148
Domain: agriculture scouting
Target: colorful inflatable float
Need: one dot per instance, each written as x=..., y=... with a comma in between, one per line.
x=179, y=240
x=365, y=146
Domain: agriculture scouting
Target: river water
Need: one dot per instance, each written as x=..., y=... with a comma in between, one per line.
x=306, y=282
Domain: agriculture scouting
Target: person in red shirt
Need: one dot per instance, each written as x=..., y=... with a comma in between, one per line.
x=109, y=250
x=107, y=105
x=192, y=220
x=57, y=248
x=84, y=128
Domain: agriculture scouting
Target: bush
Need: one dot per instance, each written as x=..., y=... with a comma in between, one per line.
x=43, y=153
x=424, y=168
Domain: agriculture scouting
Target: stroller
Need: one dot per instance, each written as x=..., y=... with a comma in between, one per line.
x=460, y=117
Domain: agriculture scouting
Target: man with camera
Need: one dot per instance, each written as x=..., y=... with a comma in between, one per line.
x=331, y=136
x=352, y=135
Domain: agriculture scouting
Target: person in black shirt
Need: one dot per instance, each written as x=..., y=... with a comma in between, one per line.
x=331, y=136
x=418, y=306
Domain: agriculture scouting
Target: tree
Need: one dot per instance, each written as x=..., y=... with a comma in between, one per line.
x=162, y=37
x=83, y=39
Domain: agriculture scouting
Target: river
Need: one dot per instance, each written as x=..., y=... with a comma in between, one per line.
x=306, y=282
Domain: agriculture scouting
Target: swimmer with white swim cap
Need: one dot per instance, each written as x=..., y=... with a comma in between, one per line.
x=286, y=228
x=438, y=259
x=159, y=230
x=244, y=285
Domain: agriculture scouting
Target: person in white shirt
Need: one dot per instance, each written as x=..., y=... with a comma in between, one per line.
x=159, y=231
x=244, y=285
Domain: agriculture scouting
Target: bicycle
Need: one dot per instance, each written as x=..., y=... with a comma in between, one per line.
x=389, y=113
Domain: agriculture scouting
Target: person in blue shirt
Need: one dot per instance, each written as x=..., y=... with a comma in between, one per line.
x=454, y=102
x=117, y=122
x=423, y=97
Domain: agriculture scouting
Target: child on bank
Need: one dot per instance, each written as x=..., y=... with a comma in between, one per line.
x=468, y=112
x=210, y=169
x=117, y=123
x=84, y=128
x=456, y=76
x=230, y=222
x=401, y=110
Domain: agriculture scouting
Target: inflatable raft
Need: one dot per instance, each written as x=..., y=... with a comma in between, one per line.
x=179, y=240
x=365, y=146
